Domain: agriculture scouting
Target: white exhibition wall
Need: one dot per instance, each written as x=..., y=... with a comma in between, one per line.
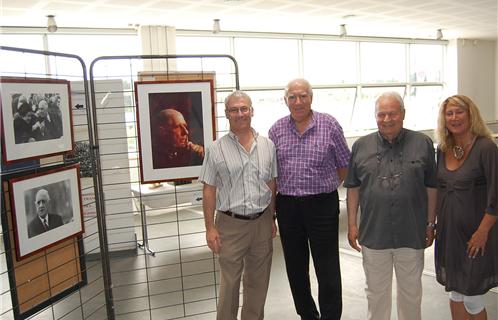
x=477, y=72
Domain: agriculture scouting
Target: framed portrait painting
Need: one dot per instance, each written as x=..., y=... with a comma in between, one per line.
x=36, y=118
x=46, y=209
x=175, y=121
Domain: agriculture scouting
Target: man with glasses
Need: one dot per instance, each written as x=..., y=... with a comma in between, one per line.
x=392, y=178
x=312, y=157
x=238, y=174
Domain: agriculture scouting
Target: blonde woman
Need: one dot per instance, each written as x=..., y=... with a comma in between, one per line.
x=466, y=250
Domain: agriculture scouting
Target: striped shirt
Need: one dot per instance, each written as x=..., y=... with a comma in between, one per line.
x=308, y=162
x=240, y=176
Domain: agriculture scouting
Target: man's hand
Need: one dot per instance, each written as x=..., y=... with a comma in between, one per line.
x=196, y=148
x=213, y=240
x=353, y=238
x=273, y=229
x=430, y=232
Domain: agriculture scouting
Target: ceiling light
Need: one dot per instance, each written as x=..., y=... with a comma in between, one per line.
x=342, y=31
x=51, y=25
x=348, y=16
x=216, y=26
x=439, y=34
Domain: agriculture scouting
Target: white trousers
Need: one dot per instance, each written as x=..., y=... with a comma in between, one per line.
x=408, y=265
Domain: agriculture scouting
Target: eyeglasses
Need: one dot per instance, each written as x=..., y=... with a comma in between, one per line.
x=294, y=97
x=391, y=181
x=243, y=109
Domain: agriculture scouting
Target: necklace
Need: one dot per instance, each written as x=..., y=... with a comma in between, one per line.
x=459, y=151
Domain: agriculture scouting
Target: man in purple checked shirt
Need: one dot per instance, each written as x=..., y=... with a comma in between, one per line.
x=312, y=158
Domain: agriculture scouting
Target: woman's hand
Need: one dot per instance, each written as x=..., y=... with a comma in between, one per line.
x=477, y=243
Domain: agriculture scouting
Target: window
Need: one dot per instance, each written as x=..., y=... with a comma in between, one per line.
x=346, y=75
x=269, y=106
x=206, y=46
x=266, y=62
x=422, y=106
x=382, y=62
x=34, y=64
x=426, y=63
x=338, y=102
x=330, y=62
x=89, y=47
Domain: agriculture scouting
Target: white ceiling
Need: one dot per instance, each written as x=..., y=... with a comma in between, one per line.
x=473, y=19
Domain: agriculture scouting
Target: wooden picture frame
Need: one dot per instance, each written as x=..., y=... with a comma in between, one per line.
x=44, y=277
x=36, y=118
x=54, y=194
x=175, y=122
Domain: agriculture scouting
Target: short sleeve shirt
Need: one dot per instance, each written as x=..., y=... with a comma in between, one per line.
x=393, y=197
x=308, y=162
x=240, y=177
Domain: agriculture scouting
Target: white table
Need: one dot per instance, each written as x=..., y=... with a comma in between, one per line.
x=164, y=195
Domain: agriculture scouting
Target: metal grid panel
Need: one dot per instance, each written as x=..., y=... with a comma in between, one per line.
x=160, y=265
x=87, y=302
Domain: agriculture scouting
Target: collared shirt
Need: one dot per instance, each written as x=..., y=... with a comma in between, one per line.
x=241, y=177
x=393, y=197
x=308, y=162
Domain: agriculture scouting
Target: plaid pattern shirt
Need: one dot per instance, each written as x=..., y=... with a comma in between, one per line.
x=307, y=162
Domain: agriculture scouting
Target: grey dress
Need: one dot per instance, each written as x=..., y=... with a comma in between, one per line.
x=464, y=195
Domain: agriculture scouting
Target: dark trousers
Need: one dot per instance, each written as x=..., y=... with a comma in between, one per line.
x=305, y=223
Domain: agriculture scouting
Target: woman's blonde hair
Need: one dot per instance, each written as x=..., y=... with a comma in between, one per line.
x=477, y=125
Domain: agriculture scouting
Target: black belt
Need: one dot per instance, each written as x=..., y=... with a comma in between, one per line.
x=251, y=216
x=310, y=197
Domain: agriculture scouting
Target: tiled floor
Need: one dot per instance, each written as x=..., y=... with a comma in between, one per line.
x=434, y=302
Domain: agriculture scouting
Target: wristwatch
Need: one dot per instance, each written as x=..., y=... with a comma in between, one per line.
x=431, y=225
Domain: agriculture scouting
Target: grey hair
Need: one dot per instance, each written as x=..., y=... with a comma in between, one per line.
x=44, y=192
x=300, y=80
x=238, y=94
x=43, y=103
x=166, y=114
x=394, y=95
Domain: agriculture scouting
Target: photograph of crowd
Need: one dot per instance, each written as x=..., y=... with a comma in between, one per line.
x=36, y=118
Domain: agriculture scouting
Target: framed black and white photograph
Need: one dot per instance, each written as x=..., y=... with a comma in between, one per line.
x=46, y=208
x=175, y=121
x=36, y=118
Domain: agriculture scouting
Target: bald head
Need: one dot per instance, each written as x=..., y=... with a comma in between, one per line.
x=168, y=115
x=303, y=83
x=173, y=128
